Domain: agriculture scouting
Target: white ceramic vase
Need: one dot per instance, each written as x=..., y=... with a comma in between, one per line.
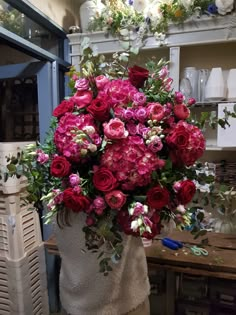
x=88, y=9
x=231, y=85
x=215, y=87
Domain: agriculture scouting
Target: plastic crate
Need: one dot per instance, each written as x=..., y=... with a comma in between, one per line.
x=12, y=204
x=7, y=149
x=19, y=233
x=23, y=284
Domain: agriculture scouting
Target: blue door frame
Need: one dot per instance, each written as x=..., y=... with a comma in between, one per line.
x=48, y=98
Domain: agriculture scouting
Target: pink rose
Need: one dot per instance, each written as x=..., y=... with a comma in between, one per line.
x=90, y=221
x=163, y=73
x=82, y=98
x=179, y=97
x=75, y=77
x=99, y=203
x=181, y=111
x=141, y=114
x=156, y=111
x=74, y=180
x=139, y=99
x=191, y=101
x=115, y=129
x=138, y=209
x=115, y=199
x=132, y=128
x=128, y=114
x=42, y=157
x=82, y=84
x=101, y=81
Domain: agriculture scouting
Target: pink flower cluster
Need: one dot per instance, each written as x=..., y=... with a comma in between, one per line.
x=131, y=162
x=76, y=136
x=186, y=142
x=114, y=141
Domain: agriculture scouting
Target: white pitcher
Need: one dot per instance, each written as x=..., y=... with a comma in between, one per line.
x=215, y=87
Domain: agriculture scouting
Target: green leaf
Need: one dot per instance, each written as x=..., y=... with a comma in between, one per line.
x=124, y=45
x=11, y=168
x=134, y=50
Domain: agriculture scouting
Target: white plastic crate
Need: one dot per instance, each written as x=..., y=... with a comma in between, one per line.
x=12, y=204
x=13, y=184
x=23, y=284
x=19, y=233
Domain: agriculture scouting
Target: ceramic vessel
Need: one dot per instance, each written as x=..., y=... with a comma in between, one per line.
x=215, y=87
x=231, y=85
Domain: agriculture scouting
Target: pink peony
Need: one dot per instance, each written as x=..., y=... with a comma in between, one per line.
x=181, y=111
x=115, y=129
x=115, y=199
x=156, y=111
x=82, y=98
x=101, y=81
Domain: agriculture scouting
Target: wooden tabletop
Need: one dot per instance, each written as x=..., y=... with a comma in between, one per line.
x=221, y=261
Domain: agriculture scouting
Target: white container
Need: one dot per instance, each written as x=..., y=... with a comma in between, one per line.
x=231, y=85
x=146, y=242
x=88, y=9
x=19, y=233
x=226, y=137
x=215, y=87
x=23, y=284
x=12, y=204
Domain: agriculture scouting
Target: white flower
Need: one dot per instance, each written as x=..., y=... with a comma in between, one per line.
x=140, y=5
x=186, y=3
x=134, y=225
x=89, y=130
x=224, y=6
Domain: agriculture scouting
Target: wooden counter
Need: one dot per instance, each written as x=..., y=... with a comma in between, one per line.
x=220, y=263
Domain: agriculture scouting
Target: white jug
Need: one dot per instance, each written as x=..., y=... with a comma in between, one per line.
x=231, y=85
x=215, y=87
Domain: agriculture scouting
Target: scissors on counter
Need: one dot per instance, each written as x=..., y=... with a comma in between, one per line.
x=175, y=245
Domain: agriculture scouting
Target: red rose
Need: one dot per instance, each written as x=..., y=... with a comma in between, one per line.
x=115, y=199
x=158, y=197
x=186, y=191
x=60, y=167
x=181, y=111
x=64, y=107
x=104, y=180
x=178, y=138
x=137, y=76
x=74, y=201
x=99, y=109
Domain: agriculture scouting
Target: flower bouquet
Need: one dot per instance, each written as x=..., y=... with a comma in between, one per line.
x=122, y=150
